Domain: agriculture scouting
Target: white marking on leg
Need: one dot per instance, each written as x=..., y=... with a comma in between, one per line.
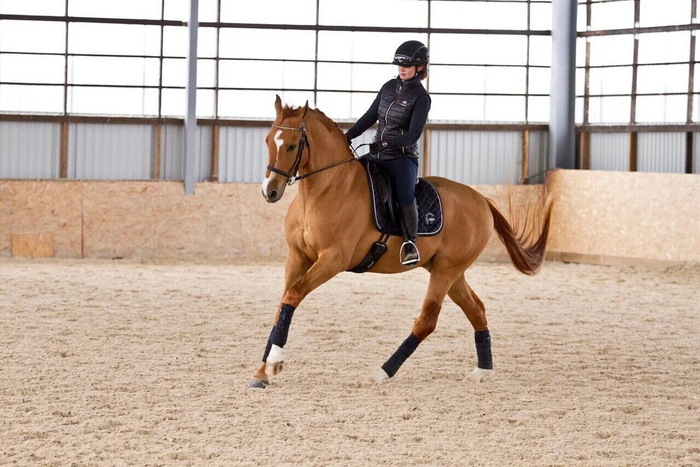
x=275, y=361
x=477, y=375
x=275, y=355
x=380, y=376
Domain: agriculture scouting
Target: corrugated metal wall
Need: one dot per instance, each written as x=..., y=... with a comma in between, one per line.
x=172, y=164
x=99, y=151
x=476, y=157
x=30, y=150
x=108, y=152
x=242, y=154
x=125, y=151
x=661, y=152
x=610, y=151
x=539, y=150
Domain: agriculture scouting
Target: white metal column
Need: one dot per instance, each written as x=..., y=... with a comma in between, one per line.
x=191, y=92
x=562, y=129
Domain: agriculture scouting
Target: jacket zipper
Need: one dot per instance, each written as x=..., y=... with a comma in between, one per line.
x=386, y=115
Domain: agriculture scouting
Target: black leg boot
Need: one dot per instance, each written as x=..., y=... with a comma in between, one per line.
x=409, y=220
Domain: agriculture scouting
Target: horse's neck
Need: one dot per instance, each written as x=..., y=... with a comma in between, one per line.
x=334, y=184
x=323, y=153
x=328, y=183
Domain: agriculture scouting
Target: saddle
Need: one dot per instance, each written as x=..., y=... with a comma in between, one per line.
x=385, y=210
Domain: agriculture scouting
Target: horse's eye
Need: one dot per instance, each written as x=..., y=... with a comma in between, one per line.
x=291, y=147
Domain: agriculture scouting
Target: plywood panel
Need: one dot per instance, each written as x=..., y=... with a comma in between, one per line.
x=626, y=215
x=157, y=220
x=33, y=245
x=28, y=207
x=598, y=216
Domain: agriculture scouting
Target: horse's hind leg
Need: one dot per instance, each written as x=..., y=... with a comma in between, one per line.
x=423, y=326
x=474, y=309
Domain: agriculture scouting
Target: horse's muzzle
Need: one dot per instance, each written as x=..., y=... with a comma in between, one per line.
x=272, y=197
x=271, y=191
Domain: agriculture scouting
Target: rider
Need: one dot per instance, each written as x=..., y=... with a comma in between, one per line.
x=401, y=108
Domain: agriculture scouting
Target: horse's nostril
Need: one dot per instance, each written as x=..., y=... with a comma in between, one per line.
x=272, y=196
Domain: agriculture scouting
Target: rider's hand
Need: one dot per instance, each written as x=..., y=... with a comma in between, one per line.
x=374, y=148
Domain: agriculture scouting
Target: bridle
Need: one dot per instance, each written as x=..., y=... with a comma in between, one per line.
x=291, y=176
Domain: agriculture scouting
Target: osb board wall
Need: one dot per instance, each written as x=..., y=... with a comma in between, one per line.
x=144, y=219
x=598, y=217
x=151, y=219
x=31, y=207
x=134, y=219
x=625, y=217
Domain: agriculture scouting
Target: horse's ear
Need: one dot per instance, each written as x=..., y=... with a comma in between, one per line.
x=278, y=104
x=306, y=109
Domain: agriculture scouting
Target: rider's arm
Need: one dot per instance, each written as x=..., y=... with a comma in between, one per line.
x=366, y=121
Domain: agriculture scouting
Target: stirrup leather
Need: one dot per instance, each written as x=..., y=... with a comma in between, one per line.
x=408, y=254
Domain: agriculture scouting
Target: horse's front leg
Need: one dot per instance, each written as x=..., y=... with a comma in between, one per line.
x=273, y=360
x=296, y=266
x=328, y=265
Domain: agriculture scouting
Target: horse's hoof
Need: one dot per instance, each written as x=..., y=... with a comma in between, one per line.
x=477, y=375
x=258, y=384
x=378, y=378
x=272, y=369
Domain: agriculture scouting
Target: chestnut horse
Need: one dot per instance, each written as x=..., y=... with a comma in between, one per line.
x=329, y=229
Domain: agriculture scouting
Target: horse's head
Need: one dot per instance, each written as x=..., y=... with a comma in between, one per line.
x=287, y=146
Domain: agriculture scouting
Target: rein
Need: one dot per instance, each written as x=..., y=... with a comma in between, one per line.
x=303, y=142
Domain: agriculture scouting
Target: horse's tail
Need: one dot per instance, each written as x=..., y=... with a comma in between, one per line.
x=526, y=246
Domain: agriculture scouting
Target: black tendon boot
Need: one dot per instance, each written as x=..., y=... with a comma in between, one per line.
x=409, y=220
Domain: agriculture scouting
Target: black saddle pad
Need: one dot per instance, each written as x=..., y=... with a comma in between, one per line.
x=427, y=200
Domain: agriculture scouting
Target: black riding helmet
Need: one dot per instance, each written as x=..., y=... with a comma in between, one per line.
x=411, y=53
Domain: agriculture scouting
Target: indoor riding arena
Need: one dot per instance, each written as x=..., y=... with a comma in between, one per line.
x=141, y=267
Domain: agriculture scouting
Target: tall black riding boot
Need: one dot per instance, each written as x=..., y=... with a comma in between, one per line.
x=409, y=220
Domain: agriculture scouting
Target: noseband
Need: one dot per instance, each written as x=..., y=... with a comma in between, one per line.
x=291, y=176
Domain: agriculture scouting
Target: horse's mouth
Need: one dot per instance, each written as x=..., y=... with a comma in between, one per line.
x=272, y=197
x=270, y=193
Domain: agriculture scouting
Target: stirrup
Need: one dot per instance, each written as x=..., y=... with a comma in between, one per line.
x=409, y=253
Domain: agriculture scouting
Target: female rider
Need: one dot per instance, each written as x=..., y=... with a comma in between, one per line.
x=401, y=108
